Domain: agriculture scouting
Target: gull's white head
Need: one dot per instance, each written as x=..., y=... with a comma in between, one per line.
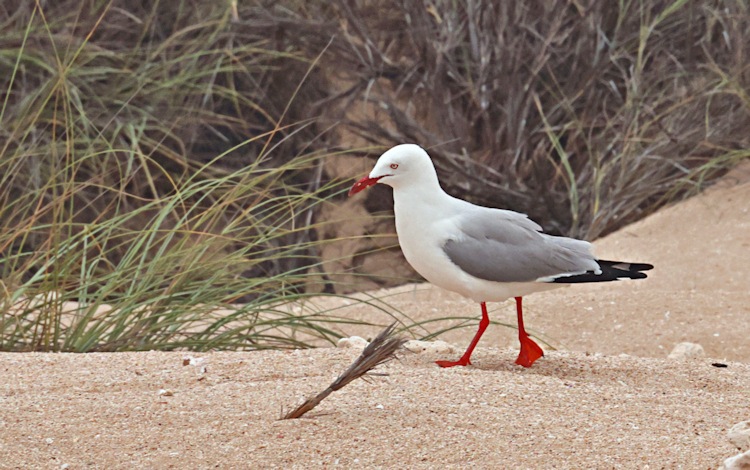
x=402, y=165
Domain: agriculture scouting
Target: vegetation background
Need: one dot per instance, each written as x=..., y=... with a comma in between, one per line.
x=170, y=172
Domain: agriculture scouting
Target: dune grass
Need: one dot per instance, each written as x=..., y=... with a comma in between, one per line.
x=153, y=196
x=162, y=164
x=176, y=272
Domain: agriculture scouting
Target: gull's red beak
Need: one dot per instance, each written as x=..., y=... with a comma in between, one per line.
x=364, y=183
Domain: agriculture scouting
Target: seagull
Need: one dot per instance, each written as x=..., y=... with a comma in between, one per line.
x=485, y=254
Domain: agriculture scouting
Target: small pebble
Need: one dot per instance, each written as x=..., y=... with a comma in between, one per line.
x=430, y=347
x=684, y=351
x=738, y=462
x=352, y=342
x=192, y=361
x=739, y=435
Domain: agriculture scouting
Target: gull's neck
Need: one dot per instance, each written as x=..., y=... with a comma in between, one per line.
x=418, y=200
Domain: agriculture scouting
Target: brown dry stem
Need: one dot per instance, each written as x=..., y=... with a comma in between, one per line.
x=381, y=350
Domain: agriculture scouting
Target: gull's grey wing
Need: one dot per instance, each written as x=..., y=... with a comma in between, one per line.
x=505, y=246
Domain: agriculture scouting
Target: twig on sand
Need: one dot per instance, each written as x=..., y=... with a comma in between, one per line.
x=381, y=350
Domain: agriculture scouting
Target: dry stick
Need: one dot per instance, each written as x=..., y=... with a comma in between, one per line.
x=381, y=350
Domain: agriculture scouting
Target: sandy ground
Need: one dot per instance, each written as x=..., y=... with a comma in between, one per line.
x=604, y=396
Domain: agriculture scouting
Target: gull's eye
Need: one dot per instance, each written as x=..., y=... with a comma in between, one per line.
x=394, y=166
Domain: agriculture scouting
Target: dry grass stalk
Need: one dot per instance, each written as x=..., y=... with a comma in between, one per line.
x=381, y=350
x=585, y=115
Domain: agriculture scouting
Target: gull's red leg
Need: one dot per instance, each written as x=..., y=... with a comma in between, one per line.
x=530, y=351
x=465, y=359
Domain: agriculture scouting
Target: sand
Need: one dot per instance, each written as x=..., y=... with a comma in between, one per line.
x=604, y=396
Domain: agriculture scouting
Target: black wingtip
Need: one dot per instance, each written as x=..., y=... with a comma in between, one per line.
x=627, y=266
x=610, y=271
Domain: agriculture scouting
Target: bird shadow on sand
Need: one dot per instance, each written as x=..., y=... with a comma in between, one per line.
x=618, y=371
